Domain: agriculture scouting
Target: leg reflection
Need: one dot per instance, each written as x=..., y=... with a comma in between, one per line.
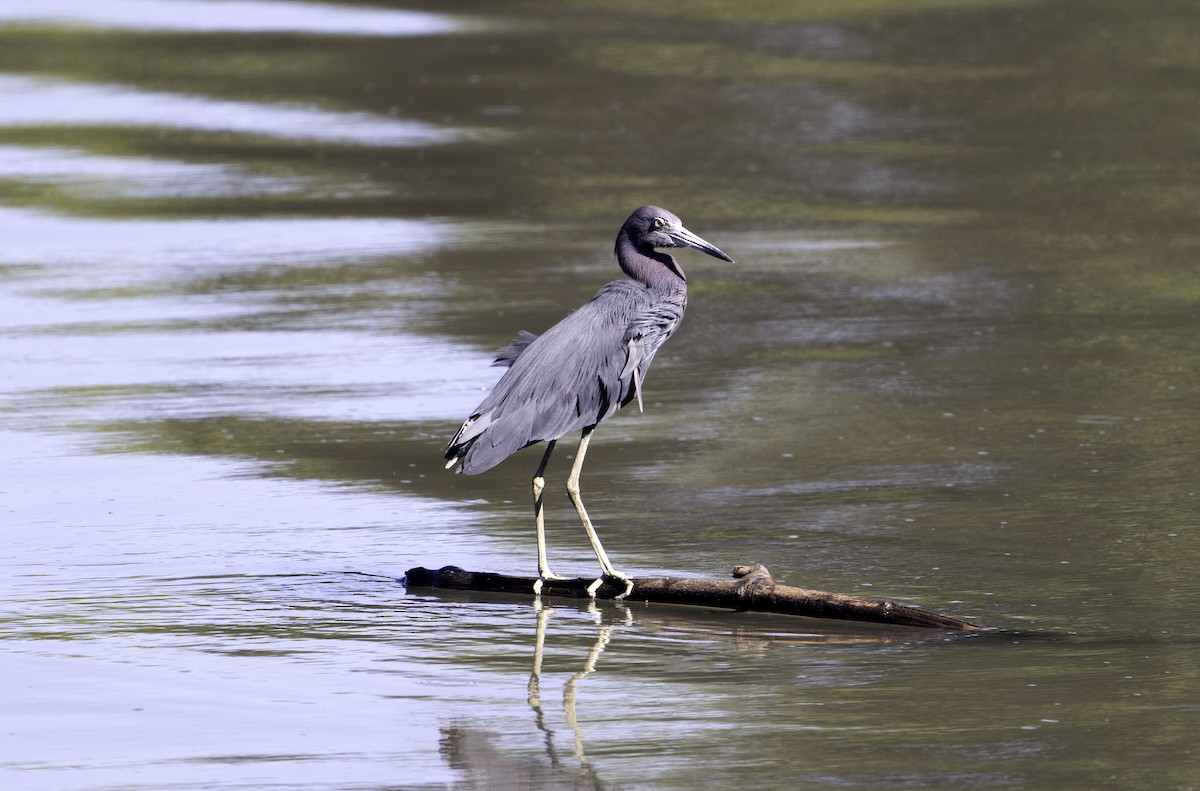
x=535, y=678
x=571, y=688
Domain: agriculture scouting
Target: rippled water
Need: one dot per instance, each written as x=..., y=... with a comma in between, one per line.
x=256, y=258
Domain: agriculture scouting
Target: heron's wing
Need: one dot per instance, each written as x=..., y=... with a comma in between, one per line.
x=576, y=371
x=574, y=375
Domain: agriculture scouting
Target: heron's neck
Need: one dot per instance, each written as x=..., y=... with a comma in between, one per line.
x=657, y=271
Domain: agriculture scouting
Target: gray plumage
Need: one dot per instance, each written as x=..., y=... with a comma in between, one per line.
x=585, y=367
x=592, y=363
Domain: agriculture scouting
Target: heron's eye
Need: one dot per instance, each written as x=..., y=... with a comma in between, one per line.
x=658, y=223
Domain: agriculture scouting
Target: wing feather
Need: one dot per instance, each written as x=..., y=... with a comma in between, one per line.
x=574, y=375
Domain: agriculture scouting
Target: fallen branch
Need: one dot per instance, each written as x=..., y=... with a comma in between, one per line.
x=752, y=588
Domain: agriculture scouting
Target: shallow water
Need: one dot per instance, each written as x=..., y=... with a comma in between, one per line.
x=256, y=258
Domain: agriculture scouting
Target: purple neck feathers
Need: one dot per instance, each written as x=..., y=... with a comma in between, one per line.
x=657, y=271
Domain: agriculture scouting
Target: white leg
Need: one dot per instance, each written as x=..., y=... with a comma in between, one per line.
x=606, y=565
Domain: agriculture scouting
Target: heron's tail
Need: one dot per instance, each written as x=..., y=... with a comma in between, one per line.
x=483, y=442
x=464, y=439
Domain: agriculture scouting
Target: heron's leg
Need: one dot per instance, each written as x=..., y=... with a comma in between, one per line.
x=539, y=483
x=606, y=565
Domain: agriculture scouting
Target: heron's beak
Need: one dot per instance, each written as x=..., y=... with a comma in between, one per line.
x=685, y=238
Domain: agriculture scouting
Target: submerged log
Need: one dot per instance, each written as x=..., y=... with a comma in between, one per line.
x=751, y=588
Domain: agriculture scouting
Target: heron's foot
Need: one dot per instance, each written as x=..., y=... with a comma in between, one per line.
x=616, y=576
x=546, y=576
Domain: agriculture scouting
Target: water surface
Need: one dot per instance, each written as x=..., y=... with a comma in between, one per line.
x=256, y=259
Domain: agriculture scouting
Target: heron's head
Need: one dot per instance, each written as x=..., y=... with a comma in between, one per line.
x=652, y=227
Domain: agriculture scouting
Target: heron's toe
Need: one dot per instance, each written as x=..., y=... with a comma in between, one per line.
x=615, y=575
x=543, y=578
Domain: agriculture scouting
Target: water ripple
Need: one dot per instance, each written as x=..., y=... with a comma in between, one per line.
x=149, y=246
x=136, y=177
x=26, y=101
x=235, y=16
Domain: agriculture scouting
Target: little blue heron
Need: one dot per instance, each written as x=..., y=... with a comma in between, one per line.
x=583, y=369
